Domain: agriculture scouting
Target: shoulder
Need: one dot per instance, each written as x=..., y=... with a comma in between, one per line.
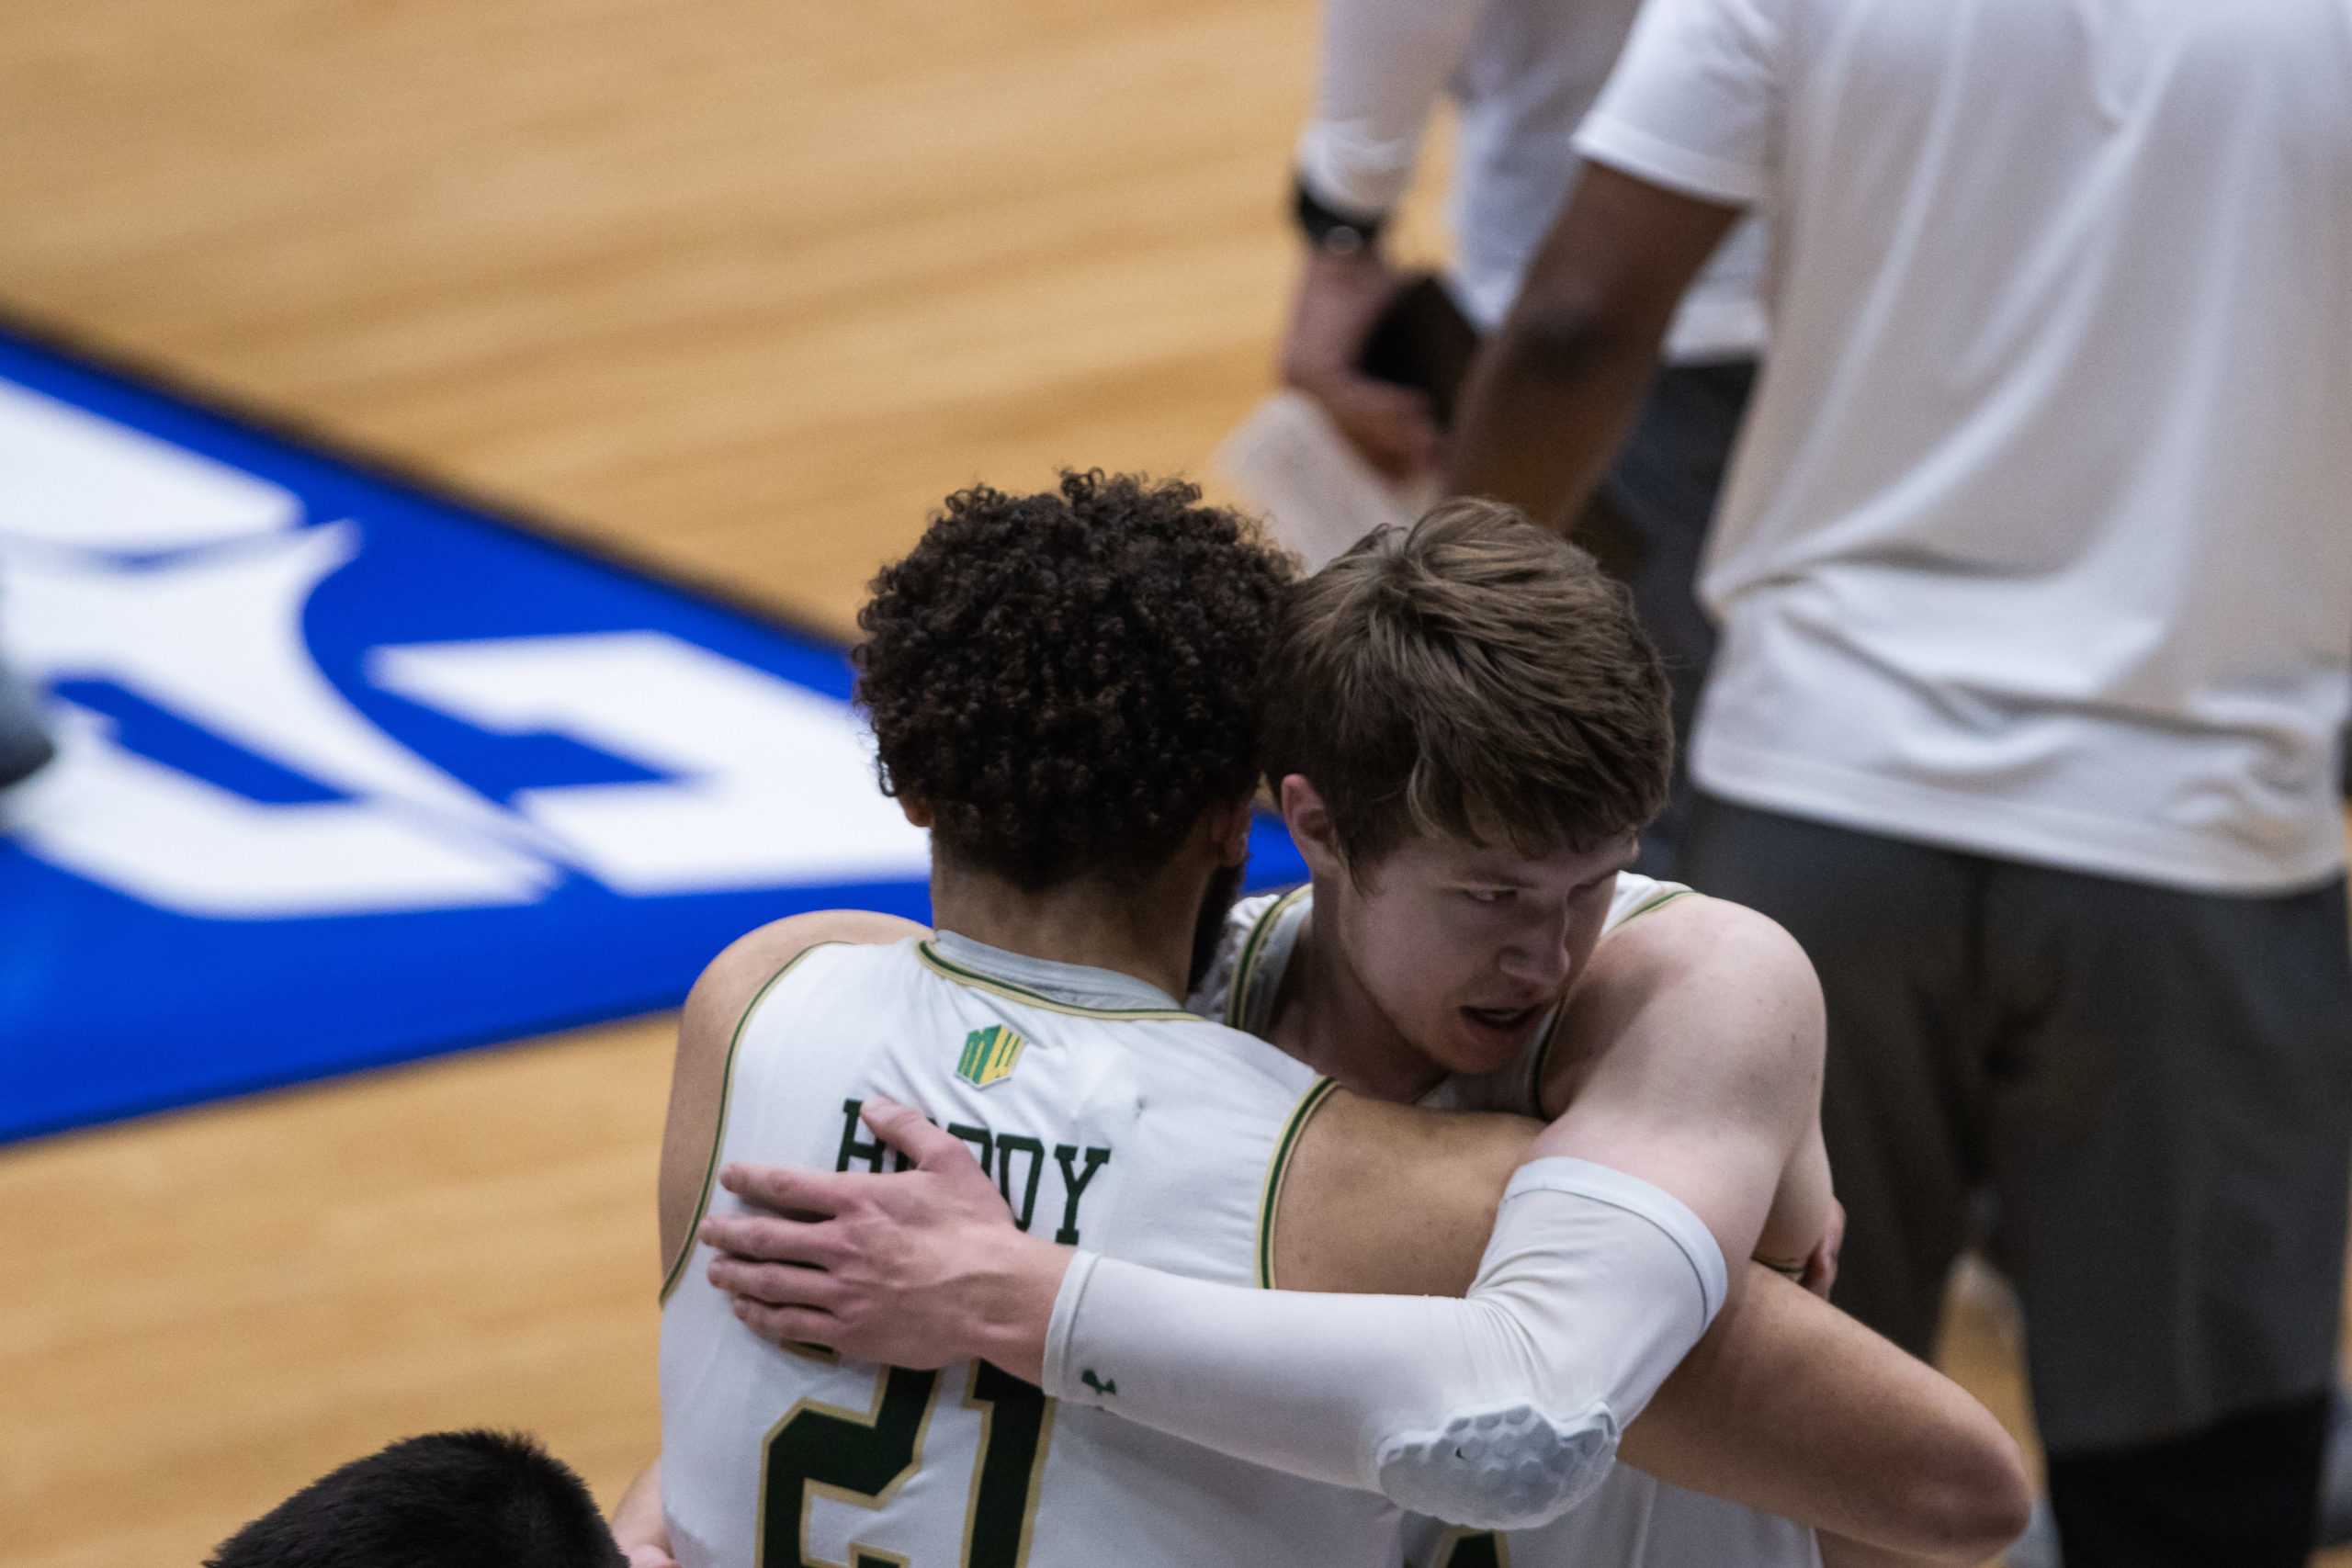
x=1669, y=932
x=733, y=980
x=730, y=985
x=1698, y=975
x=1635, y=895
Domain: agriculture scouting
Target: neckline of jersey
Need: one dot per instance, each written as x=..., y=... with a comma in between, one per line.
x=1071, y=984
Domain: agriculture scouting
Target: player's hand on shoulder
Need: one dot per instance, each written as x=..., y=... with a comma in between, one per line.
x=920, y=1267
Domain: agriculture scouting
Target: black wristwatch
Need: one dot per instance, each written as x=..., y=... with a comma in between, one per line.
x=1328, y=229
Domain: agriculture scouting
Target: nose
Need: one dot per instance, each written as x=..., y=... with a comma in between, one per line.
x=1544, y=954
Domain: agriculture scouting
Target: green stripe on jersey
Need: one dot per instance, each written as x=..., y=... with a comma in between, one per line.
x=726, y=1103
x=1279, y=1167
x=963, y=976
x=1245, y=967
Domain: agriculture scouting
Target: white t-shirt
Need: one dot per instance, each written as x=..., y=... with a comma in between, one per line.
x=2039, y=539
x=1523, y=73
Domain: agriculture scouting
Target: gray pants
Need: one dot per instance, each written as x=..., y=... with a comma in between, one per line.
x=2154, y=1086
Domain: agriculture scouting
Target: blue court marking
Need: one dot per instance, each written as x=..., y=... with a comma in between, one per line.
x=134, y=982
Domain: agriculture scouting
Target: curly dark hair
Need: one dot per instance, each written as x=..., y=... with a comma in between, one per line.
x=1067, y=680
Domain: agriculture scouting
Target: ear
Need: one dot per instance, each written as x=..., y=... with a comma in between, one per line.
x=1228, y=829
x=915, y=811
x=1311, y=829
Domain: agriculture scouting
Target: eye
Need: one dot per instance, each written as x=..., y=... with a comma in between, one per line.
x=1490, y=894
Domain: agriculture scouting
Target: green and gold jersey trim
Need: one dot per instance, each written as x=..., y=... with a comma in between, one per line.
x=726, y=1109
x=978, y=981
x=1657, y=900
x=1245, y=967
x=1278, y=1170
x=1540, y=1062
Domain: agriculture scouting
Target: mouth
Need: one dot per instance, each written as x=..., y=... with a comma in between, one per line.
x=1504, y=1021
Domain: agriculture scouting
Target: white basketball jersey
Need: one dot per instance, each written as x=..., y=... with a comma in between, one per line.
x=1634, y=1520
x=1108, y=1117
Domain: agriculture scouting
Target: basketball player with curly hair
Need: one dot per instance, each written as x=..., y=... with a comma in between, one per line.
x=1065, y=689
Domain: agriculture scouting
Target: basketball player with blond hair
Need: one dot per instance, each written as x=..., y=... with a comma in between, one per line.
x=1680, y=1057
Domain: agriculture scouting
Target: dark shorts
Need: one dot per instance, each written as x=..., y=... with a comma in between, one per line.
x=2154, y=1087
x=1646, y=523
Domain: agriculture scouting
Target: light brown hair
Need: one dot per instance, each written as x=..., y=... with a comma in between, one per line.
x=1476, y=677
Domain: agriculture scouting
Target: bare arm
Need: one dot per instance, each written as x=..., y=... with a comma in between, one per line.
x=1607, y=1012
x=1704, y=1031
x=1786, y=1406
x=1551, y=398
x=1792, y=1407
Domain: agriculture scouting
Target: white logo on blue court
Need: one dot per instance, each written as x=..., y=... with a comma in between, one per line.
x=351, y=771
x=185, y=592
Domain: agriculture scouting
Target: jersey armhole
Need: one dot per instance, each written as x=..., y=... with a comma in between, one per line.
x=1278, y=1170
x=726, y=1107
x=1541, y=1063
x=1245, y=965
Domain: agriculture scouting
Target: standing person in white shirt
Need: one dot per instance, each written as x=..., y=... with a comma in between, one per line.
x=2033, y=577
x=1521, y=73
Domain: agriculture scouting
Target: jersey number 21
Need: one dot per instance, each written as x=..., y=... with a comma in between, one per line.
x=822, y=1451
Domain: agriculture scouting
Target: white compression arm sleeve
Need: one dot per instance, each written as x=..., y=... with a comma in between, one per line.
x=1383, y=64
x=1500, y=1410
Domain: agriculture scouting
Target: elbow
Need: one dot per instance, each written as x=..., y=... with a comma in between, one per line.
x=1974, y=1510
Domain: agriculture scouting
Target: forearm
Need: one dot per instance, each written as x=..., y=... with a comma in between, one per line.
x=1593, y=1287
x=1547, y=407
x=1548, y=403
x=1383, y=66
x=1790, y=1406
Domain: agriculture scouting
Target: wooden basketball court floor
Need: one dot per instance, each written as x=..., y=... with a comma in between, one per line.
x=745, y=286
